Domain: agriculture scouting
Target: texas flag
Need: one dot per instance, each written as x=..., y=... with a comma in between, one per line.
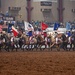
x=44, y=26
x=14, y=30
x=10, y=28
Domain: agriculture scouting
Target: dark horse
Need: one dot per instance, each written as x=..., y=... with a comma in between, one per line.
x=41, y=42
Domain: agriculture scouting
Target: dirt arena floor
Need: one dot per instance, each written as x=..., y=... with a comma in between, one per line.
x=37, y=63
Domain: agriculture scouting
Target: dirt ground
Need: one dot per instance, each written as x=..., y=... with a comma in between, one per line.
x=37, y=63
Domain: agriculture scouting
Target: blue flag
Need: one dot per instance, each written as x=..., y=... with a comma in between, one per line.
x=68, y=33
x=68, y=26
x=30, y=33
x=56, y=26
x=10, y=28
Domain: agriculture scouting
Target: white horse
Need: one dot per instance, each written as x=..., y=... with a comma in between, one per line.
x=55, y=40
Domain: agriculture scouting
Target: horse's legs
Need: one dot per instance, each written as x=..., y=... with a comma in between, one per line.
x=48, y=44
x=0, y=47
x=51, y=45
x=7, y=47
x=39, y=46
x=27, y=47
x=35, y=46
x=58, y=47
x=16, y=47
x=31, y=46
x=45, y=46
x=23, y=47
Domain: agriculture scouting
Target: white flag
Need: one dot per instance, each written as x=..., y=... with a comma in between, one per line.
x=28, y=26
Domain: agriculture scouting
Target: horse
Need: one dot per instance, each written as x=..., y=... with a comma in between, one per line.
x=6, y=43
x=56, y=41
x=40, y=42
x=24, y=42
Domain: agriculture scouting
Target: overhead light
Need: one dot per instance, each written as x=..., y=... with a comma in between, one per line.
x=45, y=0
x=72, y=0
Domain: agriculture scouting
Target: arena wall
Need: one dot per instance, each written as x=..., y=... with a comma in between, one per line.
x=36, y=13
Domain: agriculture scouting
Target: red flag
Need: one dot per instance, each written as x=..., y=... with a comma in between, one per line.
x=14, y=30
x=44, y=26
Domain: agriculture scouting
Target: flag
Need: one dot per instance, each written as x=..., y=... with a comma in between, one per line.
x=14, y=30
x=68, y=26
x=56, y=26
x=44, y=26
x=68, y=33
x=28, y=26
x=10, y=28
x=30, y=33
